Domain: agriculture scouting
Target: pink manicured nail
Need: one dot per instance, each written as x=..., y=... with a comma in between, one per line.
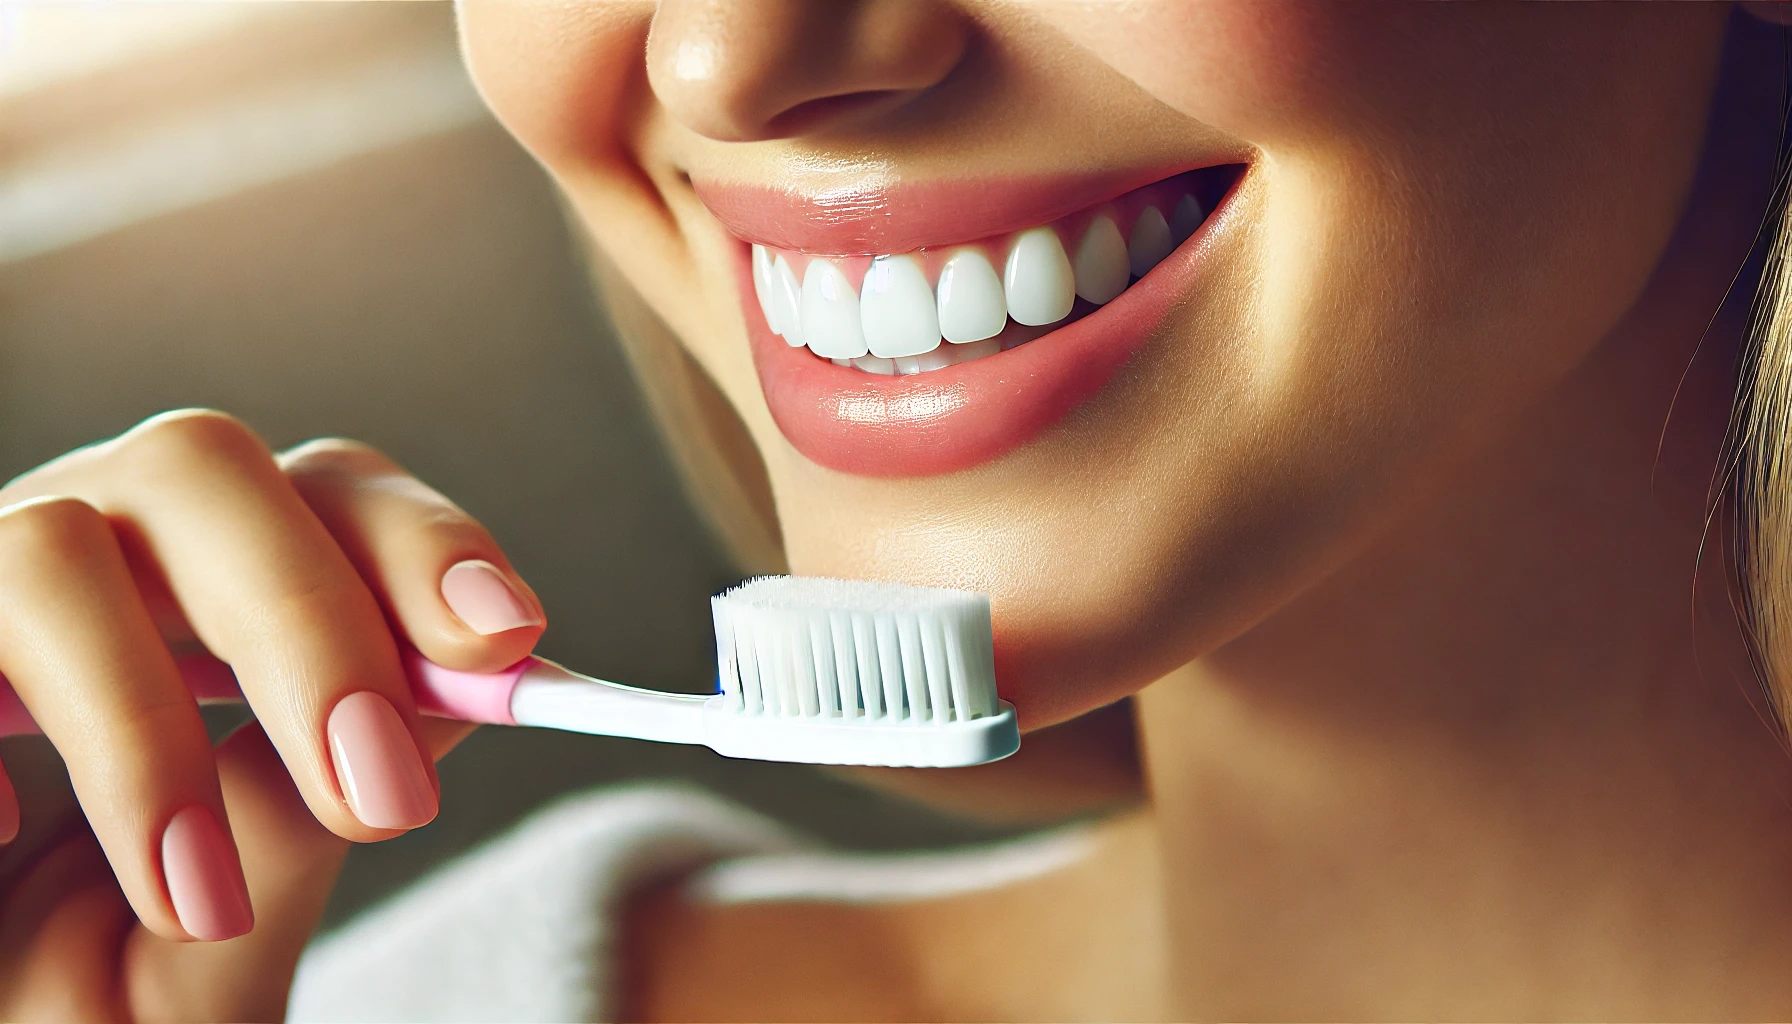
x=478, y=592
x=9, y=811
x=205, y=880
x=377, y=763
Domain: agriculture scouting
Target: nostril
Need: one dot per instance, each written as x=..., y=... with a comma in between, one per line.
x=808, y=115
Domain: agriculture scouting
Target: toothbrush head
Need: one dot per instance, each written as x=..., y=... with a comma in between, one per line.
x=858, y=672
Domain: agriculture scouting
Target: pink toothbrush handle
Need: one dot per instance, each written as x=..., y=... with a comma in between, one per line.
x=442, y=692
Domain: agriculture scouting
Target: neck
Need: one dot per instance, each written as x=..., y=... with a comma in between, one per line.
x=1511, y=760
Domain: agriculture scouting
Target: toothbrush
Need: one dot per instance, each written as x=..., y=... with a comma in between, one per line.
x=816, y=670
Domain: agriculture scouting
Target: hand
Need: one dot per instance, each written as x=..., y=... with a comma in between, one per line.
x=301, y=570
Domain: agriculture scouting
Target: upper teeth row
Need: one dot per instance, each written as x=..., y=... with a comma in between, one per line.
x=896, y=315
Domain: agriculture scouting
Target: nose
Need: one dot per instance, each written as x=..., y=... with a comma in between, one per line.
x=745, y=70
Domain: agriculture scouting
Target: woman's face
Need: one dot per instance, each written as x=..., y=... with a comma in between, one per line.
x=1413, y=220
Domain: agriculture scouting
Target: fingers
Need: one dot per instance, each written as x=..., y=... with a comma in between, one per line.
x=437, y=572
x=86, y=660
x=292, y=863
x=9, y=808
x=295, y=571
x=200, y=505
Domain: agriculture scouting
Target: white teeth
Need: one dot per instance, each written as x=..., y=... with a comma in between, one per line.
x=938, y=359
x=952, y=355
x=894, y=323
x=1101, y=265
x=875, y=364
x=1185, y=218
x=831, y=313
x=1038, y=282
x=896, y=309
x=787, y=303
x=975, y=350
x=762, y=287
x=1150, y=242
x=971, y=304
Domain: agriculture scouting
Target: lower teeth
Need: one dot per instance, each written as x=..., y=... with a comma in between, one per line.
x=949, y=354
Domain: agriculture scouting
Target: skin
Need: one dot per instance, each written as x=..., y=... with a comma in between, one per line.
x=1406, y=583
x=1441, y=712
x=186, y=531
x=1309, y=393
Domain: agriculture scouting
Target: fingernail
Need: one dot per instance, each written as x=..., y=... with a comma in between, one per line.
x=205, y=880
x=377, y=763
x=478, y=592
x=9, y=811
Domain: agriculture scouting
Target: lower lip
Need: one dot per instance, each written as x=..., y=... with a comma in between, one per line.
x=964, y=415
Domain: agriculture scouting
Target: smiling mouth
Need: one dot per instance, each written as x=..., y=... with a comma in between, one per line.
x=882, y=352
x=906, y=313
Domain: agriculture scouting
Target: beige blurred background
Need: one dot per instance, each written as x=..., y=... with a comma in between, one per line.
x=301, y=214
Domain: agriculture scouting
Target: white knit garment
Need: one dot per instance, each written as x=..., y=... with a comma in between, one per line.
x=523, y=928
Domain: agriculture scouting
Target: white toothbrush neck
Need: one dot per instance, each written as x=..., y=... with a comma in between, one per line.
x=553, y=697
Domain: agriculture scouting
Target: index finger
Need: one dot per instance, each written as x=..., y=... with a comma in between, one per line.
x=438, y=572
x=199, y=499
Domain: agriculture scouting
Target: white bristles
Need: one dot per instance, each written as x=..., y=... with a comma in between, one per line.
x=808, y=647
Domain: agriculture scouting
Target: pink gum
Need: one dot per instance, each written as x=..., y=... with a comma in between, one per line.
x=1124, y=209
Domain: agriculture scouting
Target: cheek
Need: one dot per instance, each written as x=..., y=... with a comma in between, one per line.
x=1249, y=67
x=560, y=77
x=569, y=81
x=1421, y=159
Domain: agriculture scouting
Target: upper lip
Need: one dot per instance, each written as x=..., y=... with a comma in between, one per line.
x=893, y=216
